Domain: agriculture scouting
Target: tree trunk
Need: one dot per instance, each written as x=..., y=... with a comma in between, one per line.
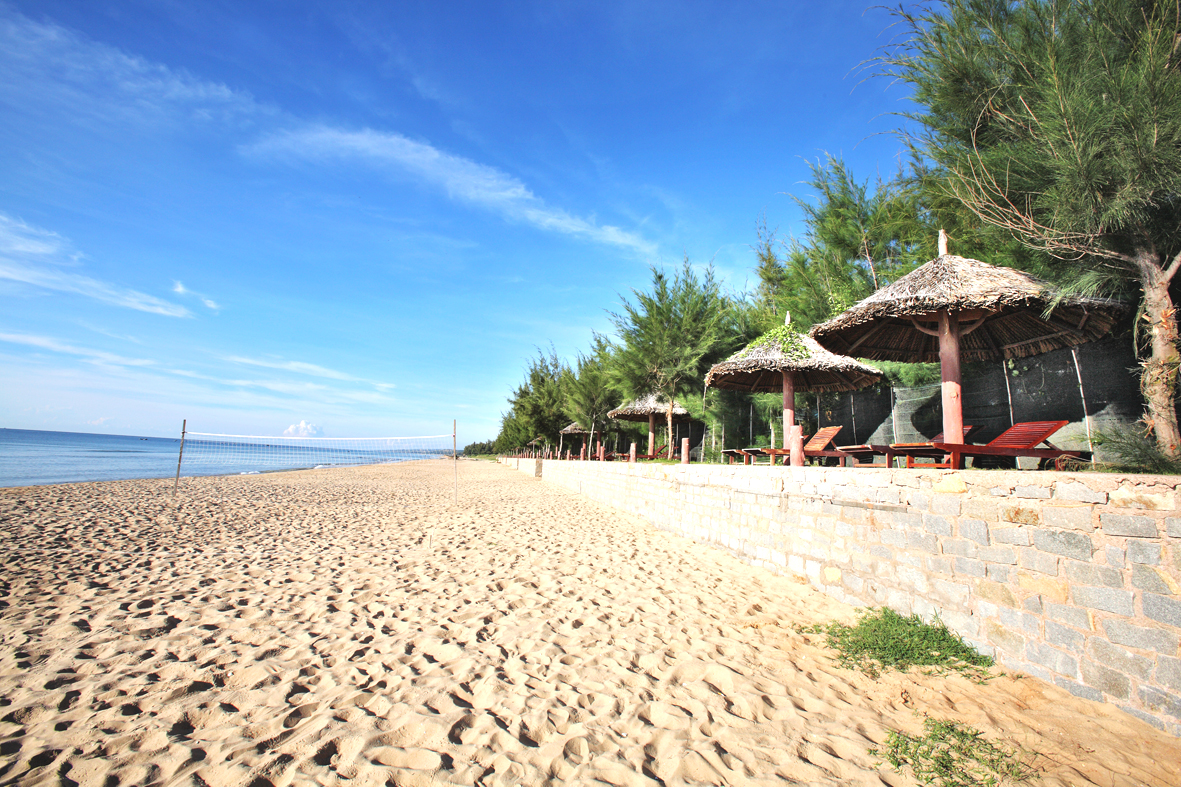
x=1159, y=378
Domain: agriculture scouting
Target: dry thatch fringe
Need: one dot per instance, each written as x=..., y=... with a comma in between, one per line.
x=640, y=409
x=957, y=284
x=768, y=357
x=574, y=428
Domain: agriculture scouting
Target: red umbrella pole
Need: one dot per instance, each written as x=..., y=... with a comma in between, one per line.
x=949, y=372
x=651, y=433
x=789, y=406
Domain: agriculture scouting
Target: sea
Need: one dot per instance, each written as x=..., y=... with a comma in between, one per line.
x=32, y=457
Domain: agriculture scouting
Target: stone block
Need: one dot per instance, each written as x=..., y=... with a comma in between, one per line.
x=1033, y=604
x=1152, y=580
x=1064, y=542
x=1091, y=574
x=1004, y=638
x=1032, y=559
x=1150, y=498
x=1017, y=536
x=907, y=559
x=998, y=554
x=924, y=542
x=959, y=547
x=1159, y=701
x=946, y=505
x=1173, y=526
x=895, y=538
x=883, y=552
x=998, y=573
x=1057, y=634
x=951, y=593
x=1118, y=602
x=974, y=529
x=996, y=593
x=1144, y=552
x=1052, y=659
x=1124, y=633
x=1079, y=690
x=832, y=575
x=920, y=501
x=854, y=583
x=1021, y=515
x=1106, y=680
x=912, y=577
x=977, y=508
x=1117, y=658
x=1078, y=492
x=1070, y=517
x=969, y=567
x=1035, y=492
x=1072, y=616
x=1162, y=608
x=1115, y=555
x=941, y=565
x=950, y=484
x=1168, y=673
x=1027, y=624
x=1125, y=525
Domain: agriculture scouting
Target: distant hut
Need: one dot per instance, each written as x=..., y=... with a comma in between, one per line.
x=955, y=308
x=784, y=360
x=573, y=430
x=647, y=408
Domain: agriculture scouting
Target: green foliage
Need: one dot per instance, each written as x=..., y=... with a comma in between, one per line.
x=908, y=375
x=536, y=408
x=1134, y=452
x=950, y=754
x=785, y=339
x=589, y=393
x=480, y=449
x=883, y=639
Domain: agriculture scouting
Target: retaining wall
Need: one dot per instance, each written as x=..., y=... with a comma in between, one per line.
x=1072, y=577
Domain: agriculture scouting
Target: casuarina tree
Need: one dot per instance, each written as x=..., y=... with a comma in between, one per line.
x=1060, y=121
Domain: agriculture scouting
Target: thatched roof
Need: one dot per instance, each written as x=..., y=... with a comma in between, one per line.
x=1008, y=305
x=574, y=428
x=640, y=409
x=760, y=366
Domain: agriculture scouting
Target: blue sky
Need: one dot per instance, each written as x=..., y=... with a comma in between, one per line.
x=366, y=216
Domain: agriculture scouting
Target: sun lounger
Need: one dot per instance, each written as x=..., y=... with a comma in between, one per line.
x=864, y=454
x=659, y=453
x=815, y=448
x=1019, y=440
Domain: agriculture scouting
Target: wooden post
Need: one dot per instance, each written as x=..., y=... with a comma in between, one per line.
x=601, y=453
x=455, y=461
x=797, y=446
x=582, y=453
x=183, y=424
x=684, y=450
x=949, y=370
x=651, y=433
x=789, y=406
x=632, y=456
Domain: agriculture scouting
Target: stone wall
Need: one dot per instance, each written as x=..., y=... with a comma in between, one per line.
x=1072, y=577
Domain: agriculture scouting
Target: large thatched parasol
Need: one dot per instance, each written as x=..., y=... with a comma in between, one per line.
x=572, y=430
x=956, y=308
x=784, y=360
x=646, y=408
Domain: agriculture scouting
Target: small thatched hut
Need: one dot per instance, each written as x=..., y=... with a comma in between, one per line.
x=787, y=361
x=647, y=408
x=957, y=308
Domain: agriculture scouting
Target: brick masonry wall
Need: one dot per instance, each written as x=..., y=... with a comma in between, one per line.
x=1072, y=577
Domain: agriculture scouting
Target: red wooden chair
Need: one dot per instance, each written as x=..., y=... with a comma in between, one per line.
x=659, y=453
x=814, y=448
x=864, y=454
x=1017, y=441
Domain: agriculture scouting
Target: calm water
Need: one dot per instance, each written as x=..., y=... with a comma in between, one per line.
x=29, y=457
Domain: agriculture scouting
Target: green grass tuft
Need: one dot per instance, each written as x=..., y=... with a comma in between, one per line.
x=883, y=639
x=952, y=755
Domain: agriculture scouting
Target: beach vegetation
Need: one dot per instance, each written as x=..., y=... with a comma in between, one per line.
x=1058, y=122
x=950, y=754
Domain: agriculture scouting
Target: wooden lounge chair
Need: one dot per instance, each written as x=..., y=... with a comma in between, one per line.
x=734, y=453
x=815, y=448
x=659, y=453
x=1017, y=441
x=864, y=454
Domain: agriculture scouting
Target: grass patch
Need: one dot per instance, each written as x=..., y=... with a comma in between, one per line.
x=882, y=639
x=952, y=755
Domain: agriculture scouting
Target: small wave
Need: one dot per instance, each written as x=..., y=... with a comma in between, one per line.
x=248, y=472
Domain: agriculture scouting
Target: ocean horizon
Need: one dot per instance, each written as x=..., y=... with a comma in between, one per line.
x=32, y=457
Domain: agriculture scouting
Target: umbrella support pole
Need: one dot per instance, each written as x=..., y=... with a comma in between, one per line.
x=951, y=381
x=789, y=406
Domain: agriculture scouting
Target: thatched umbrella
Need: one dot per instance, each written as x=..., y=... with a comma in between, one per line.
x=784, y=360
x=954, y=309
x=646, y=408
x=572, y=429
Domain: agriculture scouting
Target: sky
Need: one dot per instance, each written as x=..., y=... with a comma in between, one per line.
x=360, y=219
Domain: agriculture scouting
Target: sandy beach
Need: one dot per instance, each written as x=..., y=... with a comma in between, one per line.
x=356, y=627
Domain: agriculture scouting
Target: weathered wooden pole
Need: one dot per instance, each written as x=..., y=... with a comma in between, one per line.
x=949, y=372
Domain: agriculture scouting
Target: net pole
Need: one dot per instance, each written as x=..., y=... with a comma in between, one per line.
x=455, y=462
x=183, y=424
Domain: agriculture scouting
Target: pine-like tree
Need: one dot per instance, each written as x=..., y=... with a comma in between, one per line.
x=1060, y=122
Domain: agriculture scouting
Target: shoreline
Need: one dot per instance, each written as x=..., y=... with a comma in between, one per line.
x=353, y=625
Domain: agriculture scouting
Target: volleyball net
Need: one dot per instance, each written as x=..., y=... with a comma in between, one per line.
x=205, y=453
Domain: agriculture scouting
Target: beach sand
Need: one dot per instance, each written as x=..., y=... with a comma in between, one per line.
x=355, y=627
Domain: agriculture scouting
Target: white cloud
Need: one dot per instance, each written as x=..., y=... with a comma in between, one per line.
x=180, y=289
x=53, y=345
x=303, y=429
x=463, y=179
x=311, y=369
x=34, y=256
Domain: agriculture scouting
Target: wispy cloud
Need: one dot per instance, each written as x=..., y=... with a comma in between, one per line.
x=311, y=369
x=208, y=303
x=53, y=345
x=34, y=256
x=462, y=179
